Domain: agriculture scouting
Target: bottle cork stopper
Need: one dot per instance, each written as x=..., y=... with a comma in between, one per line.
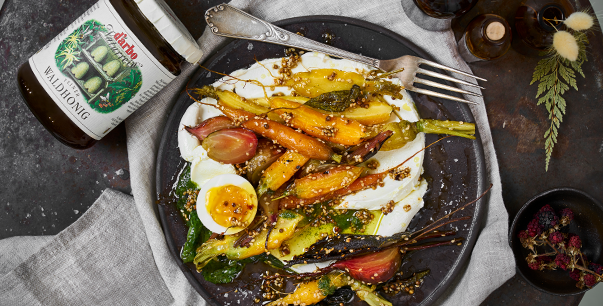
x=495, y=31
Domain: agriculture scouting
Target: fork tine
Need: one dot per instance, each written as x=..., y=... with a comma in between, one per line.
x=433, y=64
x=438, y=85
x=445, y=77
x=439, y=95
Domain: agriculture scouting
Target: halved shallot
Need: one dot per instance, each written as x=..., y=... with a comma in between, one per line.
x=209, y=126
x=231, y=146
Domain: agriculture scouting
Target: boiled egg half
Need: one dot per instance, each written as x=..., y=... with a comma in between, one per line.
x=227, y=204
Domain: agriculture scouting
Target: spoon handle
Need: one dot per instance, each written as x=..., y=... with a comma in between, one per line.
x=226, y=20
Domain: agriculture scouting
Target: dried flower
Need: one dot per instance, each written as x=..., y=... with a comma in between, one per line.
x=565, y=249
x=579, y=21
x=566, y=45
x=567, y=215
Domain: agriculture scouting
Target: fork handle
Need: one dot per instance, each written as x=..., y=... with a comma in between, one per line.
x=226, y=20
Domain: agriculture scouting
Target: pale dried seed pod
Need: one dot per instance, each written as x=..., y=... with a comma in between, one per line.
x=566, y=45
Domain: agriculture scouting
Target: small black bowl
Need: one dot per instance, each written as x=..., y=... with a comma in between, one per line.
x=587, y=223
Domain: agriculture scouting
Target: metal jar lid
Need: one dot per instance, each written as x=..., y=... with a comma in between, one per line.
x=171, y=28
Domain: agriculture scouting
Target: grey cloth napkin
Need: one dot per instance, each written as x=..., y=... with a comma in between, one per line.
x=116, y=252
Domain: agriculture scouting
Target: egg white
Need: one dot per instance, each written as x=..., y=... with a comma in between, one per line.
x=219, y=181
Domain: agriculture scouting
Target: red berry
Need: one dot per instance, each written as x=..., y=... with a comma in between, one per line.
x=597, y=268
x=574, y=241
x=534, y=266
x=547, y=218
x=556, y=238
x=590, y=280
x=534, y=228
x=567, y=213
x=546, y=207
x=575, y=275
x=562, y=261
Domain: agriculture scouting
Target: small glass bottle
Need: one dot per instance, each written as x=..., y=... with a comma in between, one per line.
x=435, y=15
x=487, y=37
x=445, y=9
x=537, y=21
x=103, y=66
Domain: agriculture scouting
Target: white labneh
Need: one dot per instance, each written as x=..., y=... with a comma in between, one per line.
x=397, y=221
x=189, y=145
x=203, y=168
x=374, y=199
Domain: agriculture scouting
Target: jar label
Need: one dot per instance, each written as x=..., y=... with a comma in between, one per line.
x=97, y=71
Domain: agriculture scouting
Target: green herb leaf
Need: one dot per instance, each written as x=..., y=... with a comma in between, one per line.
x=346, y=220
x=325, y=286
x=222, y=270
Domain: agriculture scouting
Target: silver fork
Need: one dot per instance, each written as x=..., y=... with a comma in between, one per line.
x=226, y=20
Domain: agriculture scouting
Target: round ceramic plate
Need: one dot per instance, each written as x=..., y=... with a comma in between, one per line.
x=454, y=168
x=587, y=223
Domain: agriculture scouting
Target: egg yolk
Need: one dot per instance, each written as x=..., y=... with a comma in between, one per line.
x=228, y=205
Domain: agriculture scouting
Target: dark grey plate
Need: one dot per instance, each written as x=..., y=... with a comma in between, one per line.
x=455, y=168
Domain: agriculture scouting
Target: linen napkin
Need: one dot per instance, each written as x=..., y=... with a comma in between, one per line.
x=116, y=253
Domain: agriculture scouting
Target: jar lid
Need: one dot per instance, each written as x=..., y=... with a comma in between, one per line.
x=171, y=28
x=495, y=31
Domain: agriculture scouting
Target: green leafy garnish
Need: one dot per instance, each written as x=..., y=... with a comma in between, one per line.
x=555, y=74
x=335, y=101
x=325, y=286
x=222, y=270
x=197, y=235
x=287, y=214
x=183, y=186
x=347, y=220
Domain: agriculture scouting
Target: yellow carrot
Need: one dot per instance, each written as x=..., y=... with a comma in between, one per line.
x=281, y=171
x=327, y=127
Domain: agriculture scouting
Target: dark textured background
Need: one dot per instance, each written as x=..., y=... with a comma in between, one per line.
x=46, y=186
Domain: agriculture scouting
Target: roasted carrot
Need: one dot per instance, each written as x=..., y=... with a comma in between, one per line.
x=362, y=183
x=318, y=184
x=281, y=171
x=283, y=135
x=327, y=127
x=369, y=181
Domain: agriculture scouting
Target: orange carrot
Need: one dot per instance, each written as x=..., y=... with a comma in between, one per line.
x=285, y=136
x=291, y=202
x=318, y=184
x=335, y=129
